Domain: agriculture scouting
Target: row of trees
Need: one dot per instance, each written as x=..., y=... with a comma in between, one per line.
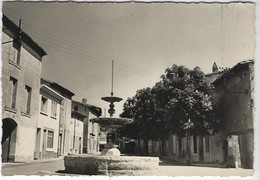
x=181, y=96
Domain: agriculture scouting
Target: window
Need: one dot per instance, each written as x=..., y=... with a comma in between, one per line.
x=50, y=139
x=195, y=145
x=15, y=52
x=207, y=143
x=44, y=104
x=78, y=119
x=53, y=109
x=93, y=127
x=13, y=91
x=28, y=91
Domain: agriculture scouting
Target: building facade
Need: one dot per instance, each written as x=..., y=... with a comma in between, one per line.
x=21, y=71
x=47, y=137
x=92, y=131
x=235, y=89
x=78, y=113
x=87, y=132
x=64, y=117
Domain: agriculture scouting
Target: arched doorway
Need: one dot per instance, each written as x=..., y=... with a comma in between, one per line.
x=8, y=142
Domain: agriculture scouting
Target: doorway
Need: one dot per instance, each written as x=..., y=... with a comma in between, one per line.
x=44, y=143
x=234, y=150
x=8, y=142
x=201, y=148
x=79, y=145
x=60, y=145
x=37, y=147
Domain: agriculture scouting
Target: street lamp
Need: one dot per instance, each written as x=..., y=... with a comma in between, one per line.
x=187, y=126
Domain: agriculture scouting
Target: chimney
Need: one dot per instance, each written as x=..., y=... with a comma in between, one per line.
x=84, y=101
x=214, y=68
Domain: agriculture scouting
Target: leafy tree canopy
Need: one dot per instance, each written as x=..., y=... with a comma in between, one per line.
x=181, y=95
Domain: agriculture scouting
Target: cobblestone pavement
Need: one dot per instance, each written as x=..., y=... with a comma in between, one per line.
x=166, y=168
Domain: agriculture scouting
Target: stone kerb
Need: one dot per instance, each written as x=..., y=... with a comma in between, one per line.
x=110, y=165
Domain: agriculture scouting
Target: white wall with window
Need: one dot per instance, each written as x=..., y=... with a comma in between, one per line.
x=48, y=123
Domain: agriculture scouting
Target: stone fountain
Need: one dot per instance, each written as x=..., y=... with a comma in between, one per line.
x=110, y=162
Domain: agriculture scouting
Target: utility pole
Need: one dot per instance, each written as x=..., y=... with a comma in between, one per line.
x=20, y=29
x=19, y=35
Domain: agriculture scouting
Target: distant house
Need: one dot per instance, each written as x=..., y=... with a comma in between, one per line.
x=90, y=130
x=48, y=123
x=76, y=126
x=65, y=115
x=51, y=126
x=21, y=71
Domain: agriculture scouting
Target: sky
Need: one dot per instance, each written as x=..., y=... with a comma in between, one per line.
x=143, y=39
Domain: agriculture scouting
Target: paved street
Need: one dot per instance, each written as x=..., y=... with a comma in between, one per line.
x=166, y=168
x=32, y=168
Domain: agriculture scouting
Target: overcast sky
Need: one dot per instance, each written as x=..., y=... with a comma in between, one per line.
x=81, y=40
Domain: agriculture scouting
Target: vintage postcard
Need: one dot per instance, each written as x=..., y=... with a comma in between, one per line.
x=128, y=88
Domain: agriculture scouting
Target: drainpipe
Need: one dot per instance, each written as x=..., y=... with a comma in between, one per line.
x=59, y=131
x=65, y=123
x=74, y=135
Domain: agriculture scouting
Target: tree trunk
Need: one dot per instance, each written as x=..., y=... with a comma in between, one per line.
x=187, y=148
x=146, y=147
x=163, y=147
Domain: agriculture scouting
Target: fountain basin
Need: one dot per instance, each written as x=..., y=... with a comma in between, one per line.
x=110, y=165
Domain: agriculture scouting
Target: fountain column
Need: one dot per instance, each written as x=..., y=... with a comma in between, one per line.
x=110, y=162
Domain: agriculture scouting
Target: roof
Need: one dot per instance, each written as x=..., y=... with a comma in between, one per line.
x=52, y=92
x=76, y=113
x=228, y=73
x=25, y=37
x=97, y=111
x=58, y=87
x=211, y=77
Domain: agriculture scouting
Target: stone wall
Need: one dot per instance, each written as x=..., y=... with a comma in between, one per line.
x=236, y=90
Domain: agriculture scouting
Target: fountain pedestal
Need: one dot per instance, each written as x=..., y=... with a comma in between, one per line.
x=110, y=150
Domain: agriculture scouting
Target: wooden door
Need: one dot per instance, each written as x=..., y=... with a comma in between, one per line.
x=6, y=149
x=44, y=143
x=59, y=144
x=79, y=145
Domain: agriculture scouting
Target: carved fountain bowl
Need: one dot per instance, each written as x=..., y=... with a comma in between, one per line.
x=112, y=99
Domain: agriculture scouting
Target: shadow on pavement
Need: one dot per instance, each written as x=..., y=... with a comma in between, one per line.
x=166, y=162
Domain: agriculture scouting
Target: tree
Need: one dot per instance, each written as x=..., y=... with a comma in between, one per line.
x=141, y=109
x=183, y=95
